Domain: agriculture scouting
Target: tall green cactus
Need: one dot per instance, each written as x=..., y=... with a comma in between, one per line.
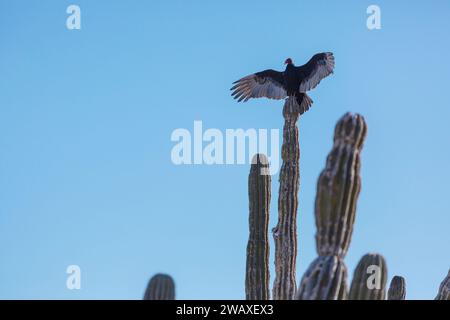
x=444, y=289
x=339, y=186
x=369, y=278
x=397, y=289
x=337, y=192
x=285, y=232
x=160, y=287
x=257, y=274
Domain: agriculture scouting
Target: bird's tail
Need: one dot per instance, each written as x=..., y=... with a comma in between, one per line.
x=301, y=102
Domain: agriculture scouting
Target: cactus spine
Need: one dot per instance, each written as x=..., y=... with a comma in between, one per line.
x=257, y=273
x=369, y=278
x=444, y=289
x=160, y=287
x=285, y=233
x=397, y=289
x=337, y=193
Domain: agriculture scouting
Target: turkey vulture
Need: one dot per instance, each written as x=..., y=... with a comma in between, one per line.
x=293, y=82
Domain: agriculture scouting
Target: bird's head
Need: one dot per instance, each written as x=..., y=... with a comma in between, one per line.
x=288, y=61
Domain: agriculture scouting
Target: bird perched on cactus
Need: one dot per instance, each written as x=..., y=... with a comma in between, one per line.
x=292, y=82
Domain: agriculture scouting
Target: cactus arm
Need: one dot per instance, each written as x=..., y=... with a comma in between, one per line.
x=325, y=279
x=339, y=186
x=444, y=289
x=160, y=287
x=285, y=233
x=359, y=289
x=335, y=209
x=397, y=289
x=257, y=271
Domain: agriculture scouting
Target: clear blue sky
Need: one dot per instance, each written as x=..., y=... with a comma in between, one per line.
x=86, y=117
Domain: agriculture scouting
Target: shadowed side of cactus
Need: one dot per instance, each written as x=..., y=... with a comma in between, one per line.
x=369, y=278
x=257, y=285
x=444, y=289
x=285, y=232
x=397, y=289
x=160, y=287
x=325, y=279
x=338, y=187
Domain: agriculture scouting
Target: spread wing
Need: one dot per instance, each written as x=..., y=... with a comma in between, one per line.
x=267, y=83
x=318, y=67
